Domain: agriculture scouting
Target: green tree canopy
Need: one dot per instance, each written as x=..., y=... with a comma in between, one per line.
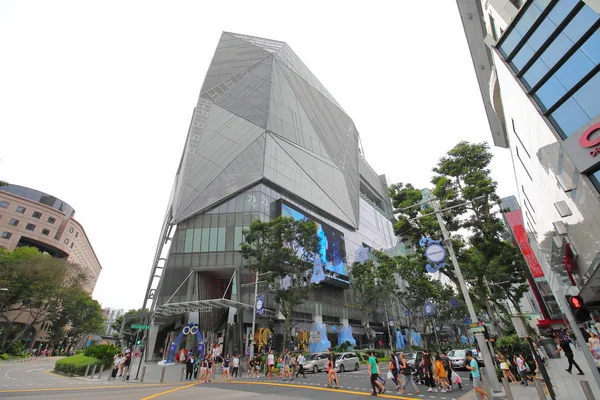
x=463, y=181
x=283, y=250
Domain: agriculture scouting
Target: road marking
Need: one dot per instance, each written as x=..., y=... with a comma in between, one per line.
x=50, y=372
x=168, y=391
x=316, y=388
x=80, y=388
x=36, y=369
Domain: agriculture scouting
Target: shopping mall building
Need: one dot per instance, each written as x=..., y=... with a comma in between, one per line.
x=32, y=218
x=538, y=68
x=266, y=139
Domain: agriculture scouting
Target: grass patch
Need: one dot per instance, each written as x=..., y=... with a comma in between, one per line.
x=76, y=365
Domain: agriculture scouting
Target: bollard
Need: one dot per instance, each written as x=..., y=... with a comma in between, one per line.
x=101, y=371
x=87, y=370
x=181, y=376
x=507, y=389
x=540, y=386
x=143, y=373
x=587, y=390
x=162, y=374
x=94, y=371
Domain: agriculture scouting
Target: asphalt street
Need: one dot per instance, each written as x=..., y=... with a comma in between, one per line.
x=33, y=379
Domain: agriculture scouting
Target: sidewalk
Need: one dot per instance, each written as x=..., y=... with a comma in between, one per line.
x=566, y=385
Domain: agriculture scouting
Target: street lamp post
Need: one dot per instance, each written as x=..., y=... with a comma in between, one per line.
x=256, y=283
x=497, y=392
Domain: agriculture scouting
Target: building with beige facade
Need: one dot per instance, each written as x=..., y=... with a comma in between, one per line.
x=29, y=217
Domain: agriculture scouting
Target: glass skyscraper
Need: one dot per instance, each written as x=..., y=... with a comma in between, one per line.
x=266, y=139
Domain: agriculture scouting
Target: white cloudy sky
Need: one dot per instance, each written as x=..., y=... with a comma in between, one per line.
x=96, y=99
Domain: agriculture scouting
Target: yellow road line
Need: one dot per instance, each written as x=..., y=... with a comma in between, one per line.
x=319, y=388
x=168, y=391
x=130, y=386
x=50, y=372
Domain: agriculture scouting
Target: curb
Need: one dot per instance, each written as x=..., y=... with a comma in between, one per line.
x=32, y=359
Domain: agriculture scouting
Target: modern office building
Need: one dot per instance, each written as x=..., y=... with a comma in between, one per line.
x=29, y=217
x=538, y=64
x=266, y=139
x=110, y=316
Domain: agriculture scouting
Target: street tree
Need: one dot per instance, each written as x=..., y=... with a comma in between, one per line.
x=375, y=286
x=127, y=330
x=73, y=314
x=284, y=250
x=463, y=181
x=34, y=280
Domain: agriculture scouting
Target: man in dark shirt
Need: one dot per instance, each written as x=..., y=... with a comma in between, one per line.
x=427, y=365
x=563, y=344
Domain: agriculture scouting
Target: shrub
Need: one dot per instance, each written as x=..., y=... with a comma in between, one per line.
x=103, y=352
x=4, y=356
x=76, y=365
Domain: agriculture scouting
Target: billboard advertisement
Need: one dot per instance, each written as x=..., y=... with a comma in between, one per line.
x=332, y=253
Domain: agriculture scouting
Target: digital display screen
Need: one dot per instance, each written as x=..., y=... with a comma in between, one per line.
x=332, y=251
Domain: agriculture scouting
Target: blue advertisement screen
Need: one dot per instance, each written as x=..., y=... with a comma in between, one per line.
x=333, y=247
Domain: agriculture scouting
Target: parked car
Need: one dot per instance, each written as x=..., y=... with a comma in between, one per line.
x=316, y=362
x=346, y=362
x=458, y=358
x=414, y=359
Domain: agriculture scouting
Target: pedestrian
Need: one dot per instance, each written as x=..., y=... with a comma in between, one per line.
x=225, y=373
x=394, y=369
x=189, y=367
x=331, y=370
x=287, y=365
x=301, y=360
x=236, y=365
x=270, y=364
x=127, y=362
x=474, y=368
x=427, y=364
x=251, y=368
x=521, y=368
x=258, y=365
x=209, y=368
x=280, y=366
x=594, y=344
x=121, y=364
x=116, y=364
x=451, y=373
x=563, y=344
x=440, y=372
x=505, y=367
x=407, y=375
x=203, y=366
x=378, y=388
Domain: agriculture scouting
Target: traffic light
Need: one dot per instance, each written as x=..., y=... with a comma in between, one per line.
x=576, y=302
x=578, y=307
x=139, y=342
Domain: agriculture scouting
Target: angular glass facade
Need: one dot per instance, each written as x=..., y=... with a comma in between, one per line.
x=265, y=136
x=553, y=47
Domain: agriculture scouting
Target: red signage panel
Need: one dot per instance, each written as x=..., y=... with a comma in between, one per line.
x=515, y=220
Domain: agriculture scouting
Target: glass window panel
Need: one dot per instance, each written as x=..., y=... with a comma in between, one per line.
x=522, y=57
x=561, y=10
x=588, y=97
x=550, y=92
x=197, y=241
x=542, y=33
x=228, y=258
x=198, y=221
x=220, y=260
x=187, y=260
x=214, y=221
x=205, y=240
x=238, y=219
x=584, y=19
x=222, y=220
x=180, y=241
x=221, y=239
x=240, y=201
x=189, y=240
x=237, y=238
x=591, y=47
x=195, y=260
x=230, y=220
x=212, y=246
x=183, y=224
x=206, y=221
x=229, y=238
x=576, y=67
x=569, y=117
x=231, y=205
x=247, y=220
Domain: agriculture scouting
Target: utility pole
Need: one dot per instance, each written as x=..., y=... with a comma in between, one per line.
x=253, y=317
x=497, y=392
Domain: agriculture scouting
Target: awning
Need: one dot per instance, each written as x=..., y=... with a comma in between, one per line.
x=200, y=306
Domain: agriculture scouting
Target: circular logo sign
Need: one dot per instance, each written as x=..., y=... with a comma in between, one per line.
x=259, y=304
x=435, y=253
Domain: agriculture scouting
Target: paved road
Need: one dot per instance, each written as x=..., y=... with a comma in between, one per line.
x=33, y=380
